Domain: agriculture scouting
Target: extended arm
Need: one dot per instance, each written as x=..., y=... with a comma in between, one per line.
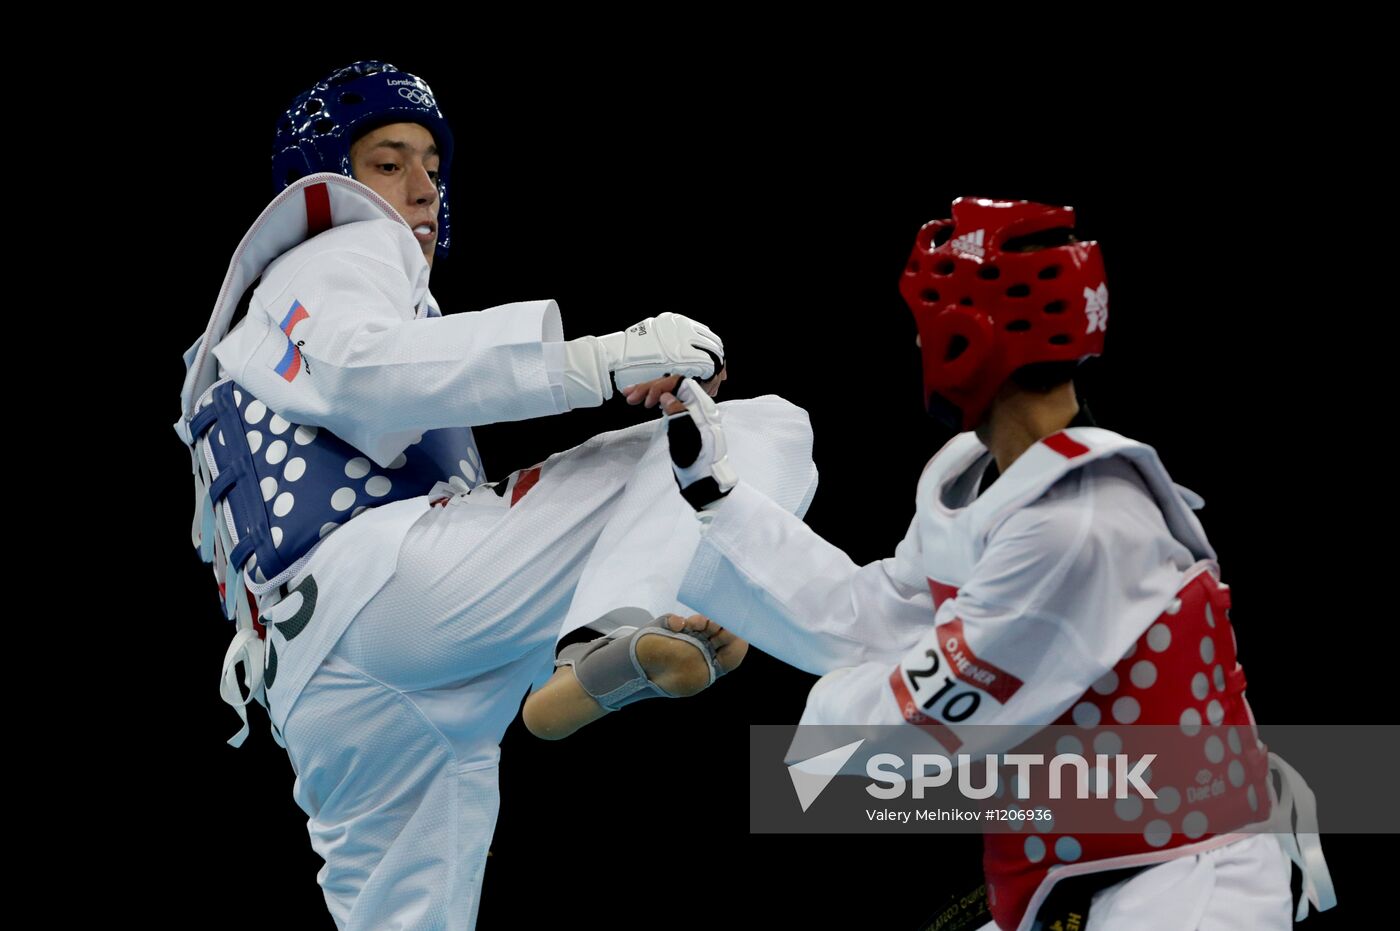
x=1060, y=590
x=773, y=580
x=332, y=339
x=770, y=577
x=1063, y=589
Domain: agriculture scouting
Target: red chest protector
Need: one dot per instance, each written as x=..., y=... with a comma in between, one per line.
x=1210, y=774
x=1183, y=673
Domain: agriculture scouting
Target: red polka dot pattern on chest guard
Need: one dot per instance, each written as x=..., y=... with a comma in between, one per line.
x=1182, y=674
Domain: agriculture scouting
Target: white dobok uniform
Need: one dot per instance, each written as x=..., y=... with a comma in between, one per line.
x=1038, y=596
x=429, y=622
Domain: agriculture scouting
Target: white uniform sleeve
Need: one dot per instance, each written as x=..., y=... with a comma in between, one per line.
x=1065, y=586
x=366, y=369
x=766, y=575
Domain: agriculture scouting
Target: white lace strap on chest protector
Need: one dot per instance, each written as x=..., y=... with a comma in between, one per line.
x=1294, y=822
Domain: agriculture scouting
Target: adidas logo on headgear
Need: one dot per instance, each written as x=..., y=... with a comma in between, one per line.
x=970, y=243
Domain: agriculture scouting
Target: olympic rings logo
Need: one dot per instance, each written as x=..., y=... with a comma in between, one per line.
x=414, y=95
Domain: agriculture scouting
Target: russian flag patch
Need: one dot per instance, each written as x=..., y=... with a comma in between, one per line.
x=290, y=363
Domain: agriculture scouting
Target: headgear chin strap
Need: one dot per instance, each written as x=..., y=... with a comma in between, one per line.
x=316, y=132
x=994, y=289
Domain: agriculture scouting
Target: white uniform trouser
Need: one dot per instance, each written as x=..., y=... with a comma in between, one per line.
x=1238, y=887
x=1243, y=886
x=395, y=737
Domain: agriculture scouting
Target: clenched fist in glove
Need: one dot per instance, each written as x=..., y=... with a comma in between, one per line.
x=638, y=360
x=667, y=344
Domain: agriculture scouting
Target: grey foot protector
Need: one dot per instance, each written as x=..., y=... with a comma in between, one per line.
x=608, y=668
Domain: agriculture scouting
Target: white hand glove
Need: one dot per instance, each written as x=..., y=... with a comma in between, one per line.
x=667, y=344
x=699, y=457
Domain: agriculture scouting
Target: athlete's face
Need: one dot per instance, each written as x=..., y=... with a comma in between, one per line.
x=400, y=163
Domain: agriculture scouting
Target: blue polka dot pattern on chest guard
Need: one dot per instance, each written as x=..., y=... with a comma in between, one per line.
x=285, y=486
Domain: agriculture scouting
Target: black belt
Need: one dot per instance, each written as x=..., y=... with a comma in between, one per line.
x=1066, y=908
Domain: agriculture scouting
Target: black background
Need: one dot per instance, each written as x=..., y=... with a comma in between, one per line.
x=1244, y=325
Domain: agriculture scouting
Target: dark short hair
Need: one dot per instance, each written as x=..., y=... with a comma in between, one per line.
x=1041, y=377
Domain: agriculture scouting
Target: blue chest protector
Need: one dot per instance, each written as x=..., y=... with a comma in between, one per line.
x=268, y=491
x=281, y=487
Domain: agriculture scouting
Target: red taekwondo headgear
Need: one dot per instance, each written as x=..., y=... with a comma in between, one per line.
x=998, y=287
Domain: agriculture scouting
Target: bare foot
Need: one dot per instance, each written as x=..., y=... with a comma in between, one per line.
x=677, y=666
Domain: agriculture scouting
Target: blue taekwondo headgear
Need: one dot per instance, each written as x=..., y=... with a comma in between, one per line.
x=316, y=132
